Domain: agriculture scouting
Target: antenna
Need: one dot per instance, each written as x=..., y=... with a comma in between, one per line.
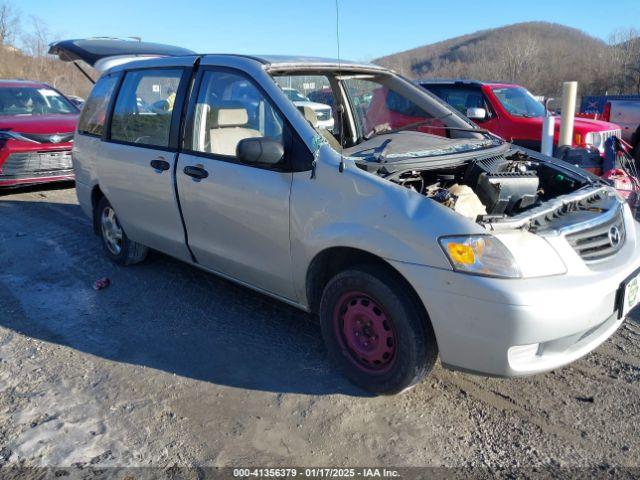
x=340, y=108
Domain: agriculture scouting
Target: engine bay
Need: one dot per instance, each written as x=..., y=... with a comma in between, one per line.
x=492, y=189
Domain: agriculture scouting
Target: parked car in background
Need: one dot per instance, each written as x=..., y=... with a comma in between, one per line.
x=513, y=113
x=37, y=125
x=623, y=110
x=407, y=244
x=323, y=111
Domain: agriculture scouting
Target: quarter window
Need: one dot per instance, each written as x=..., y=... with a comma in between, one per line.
x=229, y=109
x=94, y=112
x=144, y=107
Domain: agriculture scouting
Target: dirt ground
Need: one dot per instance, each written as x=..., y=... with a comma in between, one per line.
x=173, y=366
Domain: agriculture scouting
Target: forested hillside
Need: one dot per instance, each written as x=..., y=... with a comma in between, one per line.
x=538, y=55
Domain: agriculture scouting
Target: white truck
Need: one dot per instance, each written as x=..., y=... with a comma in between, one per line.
x=623, y=110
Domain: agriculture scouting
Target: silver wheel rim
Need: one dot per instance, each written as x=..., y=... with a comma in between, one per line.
x=111, y=231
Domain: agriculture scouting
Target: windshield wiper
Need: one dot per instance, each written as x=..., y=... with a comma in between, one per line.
x=384, y=128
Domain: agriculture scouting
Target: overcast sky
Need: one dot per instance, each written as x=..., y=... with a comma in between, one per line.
x=368, y=29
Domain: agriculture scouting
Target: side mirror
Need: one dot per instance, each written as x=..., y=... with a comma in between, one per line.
x=476, y=114
x=262, y=151
x=551, y=105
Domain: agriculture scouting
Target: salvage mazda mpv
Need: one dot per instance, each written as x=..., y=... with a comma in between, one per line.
x=408, y=229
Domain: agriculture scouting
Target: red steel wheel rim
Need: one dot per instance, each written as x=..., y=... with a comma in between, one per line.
x=366, y=332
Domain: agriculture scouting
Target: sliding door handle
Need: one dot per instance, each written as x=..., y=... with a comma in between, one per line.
x=160, y=164
x=197, y=173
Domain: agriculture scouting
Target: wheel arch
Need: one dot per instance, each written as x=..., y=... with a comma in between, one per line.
x=332, y=260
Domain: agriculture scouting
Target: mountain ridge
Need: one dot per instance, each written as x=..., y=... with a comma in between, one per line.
x=539, y=55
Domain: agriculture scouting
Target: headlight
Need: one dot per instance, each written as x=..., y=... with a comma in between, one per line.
x=480, y=255
x=595, y=139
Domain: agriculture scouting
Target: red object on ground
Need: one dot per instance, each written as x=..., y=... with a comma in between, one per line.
x=101, y=283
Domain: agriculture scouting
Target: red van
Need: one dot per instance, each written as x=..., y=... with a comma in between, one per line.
x=37, y=124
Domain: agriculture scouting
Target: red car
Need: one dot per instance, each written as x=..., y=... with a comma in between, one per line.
x=37, y=124
x=512, y=113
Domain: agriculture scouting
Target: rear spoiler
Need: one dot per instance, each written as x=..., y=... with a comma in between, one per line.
x=104, y=53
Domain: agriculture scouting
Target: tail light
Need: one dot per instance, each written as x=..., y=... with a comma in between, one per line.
x=606, y=113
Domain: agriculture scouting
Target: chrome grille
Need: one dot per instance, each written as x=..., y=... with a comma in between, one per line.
x=599, y=241
x=36, y=162
x=49, y=137
x=611, y=133
x=600, y=138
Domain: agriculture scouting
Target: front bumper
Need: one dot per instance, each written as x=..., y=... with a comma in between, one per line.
x=49, y=177
x=28, y=164
x=519, y=327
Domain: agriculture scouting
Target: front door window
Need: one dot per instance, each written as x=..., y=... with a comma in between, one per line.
x=230, y=108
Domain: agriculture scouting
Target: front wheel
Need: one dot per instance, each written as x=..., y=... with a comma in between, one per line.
x=118, y=247
x=376, y=331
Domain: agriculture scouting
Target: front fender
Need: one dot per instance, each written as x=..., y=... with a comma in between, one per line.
x=361, y=210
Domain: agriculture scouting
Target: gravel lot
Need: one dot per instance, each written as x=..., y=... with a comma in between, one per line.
x=172, y=366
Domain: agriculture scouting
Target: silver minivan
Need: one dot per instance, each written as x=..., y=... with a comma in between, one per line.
x=407, y=229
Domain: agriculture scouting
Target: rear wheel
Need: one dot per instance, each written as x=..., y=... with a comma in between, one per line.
x=376, y=331
x=118, y=247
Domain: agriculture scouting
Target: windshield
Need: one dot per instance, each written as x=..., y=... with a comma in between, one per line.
x=519, y=102
x=34, y=101
x=375, y=104
x=295, y=96
x=381, y=104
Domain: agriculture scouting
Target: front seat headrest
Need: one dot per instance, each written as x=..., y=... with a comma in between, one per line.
x=230, y=117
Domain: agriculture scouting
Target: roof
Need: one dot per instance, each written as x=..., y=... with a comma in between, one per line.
x=5, y=83
x=462, y=81
x=91, y=50
x=283, y=60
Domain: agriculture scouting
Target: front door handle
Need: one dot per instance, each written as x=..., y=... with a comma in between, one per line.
x=160, y=164
x=197, y=173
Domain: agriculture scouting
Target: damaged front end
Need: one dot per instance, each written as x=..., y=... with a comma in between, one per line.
x=506, y=189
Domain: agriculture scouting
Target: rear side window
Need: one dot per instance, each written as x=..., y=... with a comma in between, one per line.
x=94, y=112
x=461, y=98
x=144, y=107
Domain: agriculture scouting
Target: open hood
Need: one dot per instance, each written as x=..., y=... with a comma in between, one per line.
x=105, y=53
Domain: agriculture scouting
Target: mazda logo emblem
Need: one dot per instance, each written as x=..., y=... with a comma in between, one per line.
x=55, y=138
x=614, y=236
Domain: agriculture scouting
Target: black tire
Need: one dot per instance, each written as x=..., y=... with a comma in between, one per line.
x=129, y=252
x=415, y=350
